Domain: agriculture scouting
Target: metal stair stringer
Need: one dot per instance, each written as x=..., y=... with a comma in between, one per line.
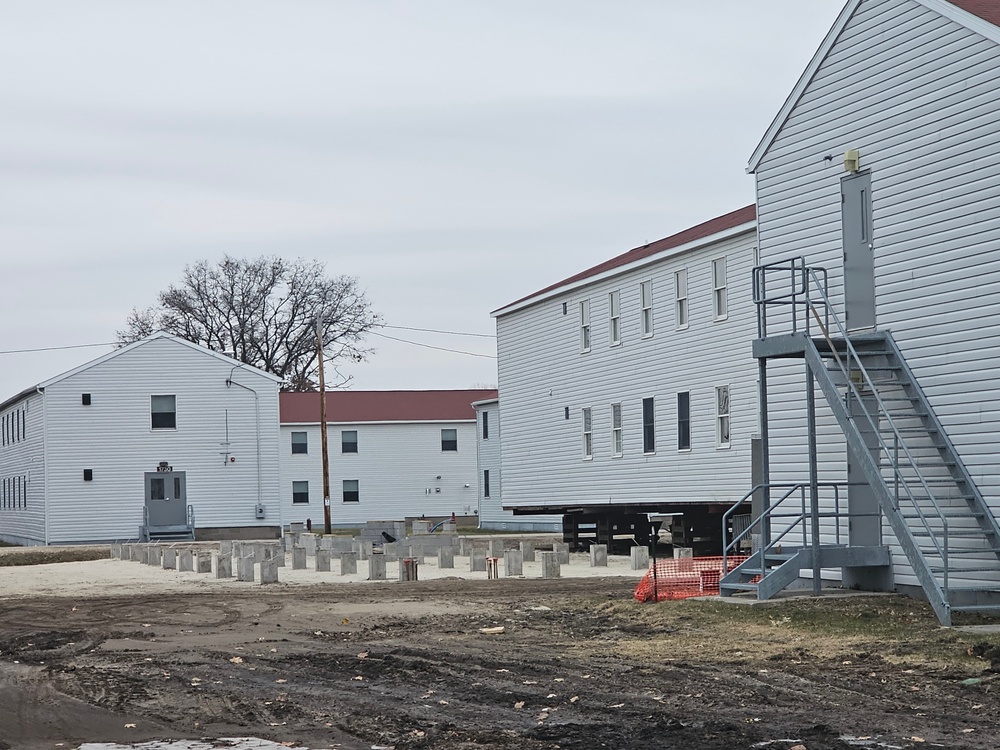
x=935, y=593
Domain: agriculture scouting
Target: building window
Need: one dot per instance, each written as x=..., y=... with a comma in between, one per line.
x=85, y=399
x=648, y=426
x=349, y=441
x=300, y=492
x=615, y=323
x=684, y=421
x=88, y=475
x=163, y=410
x=486, y=425
x=449, y=440
x=722, y=415
x=719, y=304
x=646, y=299
x=588, y=434
x=681, y=298
x=585, y=326
x=617, y=443
x=486, y=482
x=300, y=442
x=352, y=491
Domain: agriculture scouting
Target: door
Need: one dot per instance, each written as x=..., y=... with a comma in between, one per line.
x=166, y=498
x=859, y=252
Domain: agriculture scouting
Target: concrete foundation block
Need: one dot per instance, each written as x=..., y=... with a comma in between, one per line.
x=376, y=568
x=550, y=564
x=446, y=557
x=326, y=543
x=185, y=561
x=116, y=552
x=244, y=569
x=495, y=548
x=477, y=561
x=204, y=562
x=417, y=552
x=322, y=560
x=513, y=563
x=528, y=551
x=421, y=527
x=408, y=569
x=268, y=571
x=226, y=547
x=299, y=558
x=390, y=551
x=598, y=555
x=348, y=563
x=562, y=552
x=279, y=556
x=640, y=558
x=153, y=555
x=168, y=559
x=223, y=565
x=465, y=547
x=308, y=543
x=361, y=548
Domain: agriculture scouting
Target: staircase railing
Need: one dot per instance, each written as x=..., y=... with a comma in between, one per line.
x=779, y=510
x=810, y=297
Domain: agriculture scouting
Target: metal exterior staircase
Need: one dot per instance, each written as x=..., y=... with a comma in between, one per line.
x=173, y=533
x=941, y=522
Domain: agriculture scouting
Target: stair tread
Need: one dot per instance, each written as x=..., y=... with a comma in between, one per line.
x=739, y=586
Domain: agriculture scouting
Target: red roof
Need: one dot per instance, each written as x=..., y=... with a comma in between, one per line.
x=382, y=406
x=988, y=10
x=706, y=229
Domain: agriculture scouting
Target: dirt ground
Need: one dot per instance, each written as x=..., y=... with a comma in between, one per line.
x=579, y=664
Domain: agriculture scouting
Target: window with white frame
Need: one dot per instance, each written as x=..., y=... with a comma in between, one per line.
x=449, y=439
x=352, y=491
x=646, y=300
x=615, y=322
x=588, y=434
x=684, y=421
x=300, y=442
x=300, y=492
x=348, y=441
x=681, y=298
x=617, y=443
x=648, y=426
x=163, y=412
x=722, y=416
x=719, y=304
x=585, y=325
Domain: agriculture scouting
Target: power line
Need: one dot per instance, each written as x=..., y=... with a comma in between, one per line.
x=56, y=348
x=434, y=330
x=428, y=346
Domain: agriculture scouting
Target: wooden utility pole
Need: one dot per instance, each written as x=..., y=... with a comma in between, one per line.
x=327, y=528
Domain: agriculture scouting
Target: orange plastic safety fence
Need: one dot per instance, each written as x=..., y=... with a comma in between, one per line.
x=683, y=577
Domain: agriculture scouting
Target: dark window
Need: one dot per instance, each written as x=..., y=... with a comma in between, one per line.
x=86, y=399
x=565, y=412
x=648, y=426
x=88, y=475
x=164, y=412
x=157, y=488
x=300, y=492
x=449, y=440
x=486, y=482
x=683, y=421
x=300, y=442
x=486, y=425
x=349, y=441
x=352, y=492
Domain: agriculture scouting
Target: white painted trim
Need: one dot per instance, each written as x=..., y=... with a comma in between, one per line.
x=649, y=260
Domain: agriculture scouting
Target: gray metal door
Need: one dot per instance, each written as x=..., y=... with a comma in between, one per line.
x=166, y=498
x=859, y=252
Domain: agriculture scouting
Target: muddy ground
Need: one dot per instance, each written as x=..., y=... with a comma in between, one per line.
x=578, y=665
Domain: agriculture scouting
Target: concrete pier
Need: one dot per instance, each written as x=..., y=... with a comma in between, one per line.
x=477, y=561
x=465, y=546
x=185, y=561
x=513, y=563
x=446, y=557
x=299, y=558
x=169, y=558
x=376, y=568
x=226, y=547
x=268, y=571
x=244, y=569
x=528, y=551
x=223, y=565
x=550, y=564
x=323, y=560
x=348, y=563
x=204, y=562
x=495, y=548
x=308, y=543
x=154, y=555
x=562, y=552
x=640, y=558
x=598, y=555
x=362, y=549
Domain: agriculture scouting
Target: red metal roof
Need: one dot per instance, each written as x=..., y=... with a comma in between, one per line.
x=706, y=229
x=382, y=406
x=988, y=10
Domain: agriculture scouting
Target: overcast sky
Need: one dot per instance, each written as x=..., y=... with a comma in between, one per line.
x=454, y=155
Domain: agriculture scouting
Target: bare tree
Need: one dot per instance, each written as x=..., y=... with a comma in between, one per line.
x=264, y=311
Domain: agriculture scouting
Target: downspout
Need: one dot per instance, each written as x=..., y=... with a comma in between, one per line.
x=256, y=408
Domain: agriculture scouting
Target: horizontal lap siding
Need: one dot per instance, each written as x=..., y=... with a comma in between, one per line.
x=542, y=372
x=23, y=459
x=919, y=95
x=113, y=437
x=396, y=465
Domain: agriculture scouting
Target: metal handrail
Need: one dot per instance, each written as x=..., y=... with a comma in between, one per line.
x=799, y=298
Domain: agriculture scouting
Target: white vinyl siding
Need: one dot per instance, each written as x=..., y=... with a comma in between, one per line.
x=681, y=298
x=646, y=303
x=542, y=378
x=925, y=114
x=22, y=472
